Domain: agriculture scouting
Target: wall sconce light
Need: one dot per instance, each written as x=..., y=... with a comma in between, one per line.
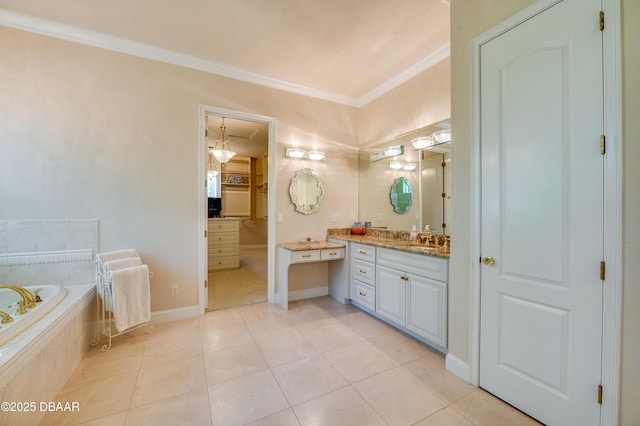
x=400, y=165
x=301, y=153
x=388, y=152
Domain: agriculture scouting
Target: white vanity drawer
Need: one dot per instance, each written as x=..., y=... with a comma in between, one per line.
x=420, y=264
x=329, y=254
x=305, y=256
x=363, y=251
x=364, y=271
x=364, y=294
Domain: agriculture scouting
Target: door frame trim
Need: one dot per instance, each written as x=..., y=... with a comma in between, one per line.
x=612, y=291
x=203, y=111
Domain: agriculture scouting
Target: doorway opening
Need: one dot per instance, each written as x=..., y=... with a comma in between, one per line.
x=237, y=225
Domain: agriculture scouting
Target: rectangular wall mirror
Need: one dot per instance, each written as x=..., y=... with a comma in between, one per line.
x=429, y=180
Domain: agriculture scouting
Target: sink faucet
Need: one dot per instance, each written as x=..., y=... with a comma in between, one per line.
x=28, y=299
x=5, y=317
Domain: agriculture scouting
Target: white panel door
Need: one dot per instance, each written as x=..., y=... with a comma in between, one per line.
x=542, y=214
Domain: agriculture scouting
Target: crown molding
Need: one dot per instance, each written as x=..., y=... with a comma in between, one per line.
x=437, y=56
x=92, y=38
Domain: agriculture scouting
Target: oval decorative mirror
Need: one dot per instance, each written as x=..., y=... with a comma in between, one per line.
x=306, y=191
x=401, y=195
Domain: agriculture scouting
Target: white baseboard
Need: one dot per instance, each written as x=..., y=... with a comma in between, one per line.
x=176, y=314
x=458, y=367
x=308, y=293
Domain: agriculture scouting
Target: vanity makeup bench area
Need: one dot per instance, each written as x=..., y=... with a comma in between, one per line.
x=378, y=268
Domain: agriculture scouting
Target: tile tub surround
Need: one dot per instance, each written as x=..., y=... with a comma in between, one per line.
x=37, y=368
x=398, y=240
x=36, y=252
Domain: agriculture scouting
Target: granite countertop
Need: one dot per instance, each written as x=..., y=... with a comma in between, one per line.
x=310, y=245
x=394, y=243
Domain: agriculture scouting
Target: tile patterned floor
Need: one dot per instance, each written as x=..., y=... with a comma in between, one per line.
x=320, y=363
x=244, y=286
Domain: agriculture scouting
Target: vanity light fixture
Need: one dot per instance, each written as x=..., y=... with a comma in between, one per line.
x=391, y=151
x=437, y=142
x=422, y=142
x=442, y=136
x=315, y=155
x=401, y=165
x=225, y=154
x=409, y=166
x=301, y=153
x=295, y=152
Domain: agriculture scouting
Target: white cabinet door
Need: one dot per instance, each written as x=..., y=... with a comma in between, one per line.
x=426, y=308
x=390, y=294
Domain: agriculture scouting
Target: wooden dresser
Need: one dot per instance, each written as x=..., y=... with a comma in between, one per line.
x=224, y=244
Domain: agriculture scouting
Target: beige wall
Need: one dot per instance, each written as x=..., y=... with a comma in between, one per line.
x=423, y=100
x=468, y=20
x=90, y=133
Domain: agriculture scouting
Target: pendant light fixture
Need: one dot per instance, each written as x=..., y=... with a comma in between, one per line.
x=225, y=154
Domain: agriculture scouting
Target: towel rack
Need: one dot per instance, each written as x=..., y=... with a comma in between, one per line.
x=104, y=315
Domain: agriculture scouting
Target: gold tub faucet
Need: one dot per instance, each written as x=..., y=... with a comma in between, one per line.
x=5, y=317
x=28, y=299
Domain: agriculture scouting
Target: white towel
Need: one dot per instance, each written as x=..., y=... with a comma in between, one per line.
x=115, y=255
x=131, y=296
x=128, y=262
x=109, y=261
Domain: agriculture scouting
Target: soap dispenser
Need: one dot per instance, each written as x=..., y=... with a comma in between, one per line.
x=414, y=233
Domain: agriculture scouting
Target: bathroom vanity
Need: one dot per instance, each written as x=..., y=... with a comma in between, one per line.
x=303, y=252
x=402, y=284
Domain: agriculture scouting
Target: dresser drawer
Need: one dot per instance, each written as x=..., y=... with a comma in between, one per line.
x=223, y=226
x=305, y=256
x=363, y=251
x=329, y=254
x=223, y=251
x=227, y=238
x=231, y=262
x=364, y=294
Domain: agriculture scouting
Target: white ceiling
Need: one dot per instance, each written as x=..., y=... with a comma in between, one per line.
x=353, y=49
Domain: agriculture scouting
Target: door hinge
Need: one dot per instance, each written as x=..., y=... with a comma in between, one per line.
x=600, y=394
x=601, y=271
x=601, y=20
x=206, y=133
x=206, y=234
x=603, y=144
x=206, y=284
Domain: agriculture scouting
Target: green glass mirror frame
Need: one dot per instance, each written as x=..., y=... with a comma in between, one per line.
x=401, y=195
